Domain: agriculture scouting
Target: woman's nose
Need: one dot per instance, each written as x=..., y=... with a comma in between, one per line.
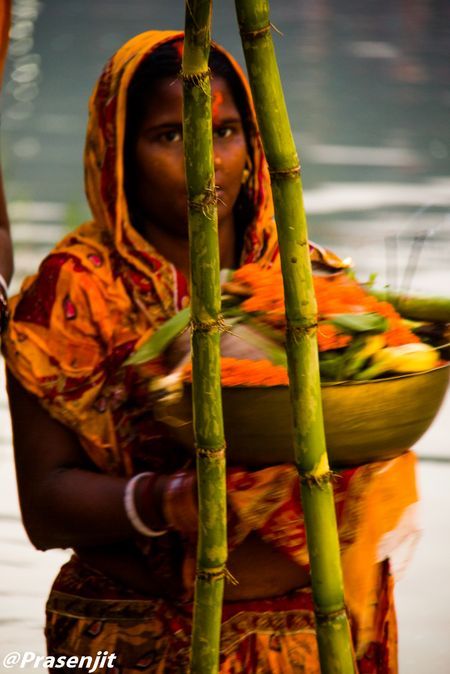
x=217, y=161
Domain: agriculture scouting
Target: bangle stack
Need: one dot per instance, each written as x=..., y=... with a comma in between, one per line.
x=131, y=511
x=179, y=504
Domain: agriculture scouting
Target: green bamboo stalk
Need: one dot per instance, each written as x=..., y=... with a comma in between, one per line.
x=206, y=325
x=434, y=309
x=333, y=633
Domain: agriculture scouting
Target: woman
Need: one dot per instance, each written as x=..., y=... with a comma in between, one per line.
x=96, y=472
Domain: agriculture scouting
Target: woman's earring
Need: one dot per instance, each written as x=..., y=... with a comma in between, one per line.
x=247, y=170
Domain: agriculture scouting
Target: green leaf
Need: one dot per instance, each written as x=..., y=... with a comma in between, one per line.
x=277, y=336
x=231, y=311
x=352, y=361
x=252, y=335
x=161, y=339
x=353, y=323
x=331, y=364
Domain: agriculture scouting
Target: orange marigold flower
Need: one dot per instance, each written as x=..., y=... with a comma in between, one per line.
x=335, y=294
x=329, y=338
x=236, y=372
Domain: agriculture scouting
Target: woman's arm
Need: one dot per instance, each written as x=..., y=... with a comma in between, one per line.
x=65, y=501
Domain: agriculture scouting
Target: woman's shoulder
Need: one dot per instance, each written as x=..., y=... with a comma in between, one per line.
x=89, y=248
x=74, y=290
x=83, y=259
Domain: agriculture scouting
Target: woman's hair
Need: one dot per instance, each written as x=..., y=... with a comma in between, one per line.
x=165, y=62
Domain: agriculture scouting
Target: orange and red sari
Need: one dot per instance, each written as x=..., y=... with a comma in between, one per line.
x=98, y=296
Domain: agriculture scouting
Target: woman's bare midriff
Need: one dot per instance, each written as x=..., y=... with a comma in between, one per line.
x=262, y=571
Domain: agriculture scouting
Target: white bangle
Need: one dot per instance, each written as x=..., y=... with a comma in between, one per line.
x=3, y=285
x=130, y=508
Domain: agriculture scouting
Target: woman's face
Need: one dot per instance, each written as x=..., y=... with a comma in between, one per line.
x=160, y=178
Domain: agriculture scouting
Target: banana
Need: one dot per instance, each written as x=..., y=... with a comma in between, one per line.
x=416, y=357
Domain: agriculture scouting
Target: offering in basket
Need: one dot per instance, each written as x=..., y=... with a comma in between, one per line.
x=381, y=384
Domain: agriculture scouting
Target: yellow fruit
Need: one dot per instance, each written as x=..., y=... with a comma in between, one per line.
x=373, y=344
x=407, y=358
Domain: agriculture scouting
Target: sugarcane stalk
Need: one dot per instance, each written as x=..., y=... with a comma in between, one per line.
x=206, y=326
x=333, y=633
x=433, y=309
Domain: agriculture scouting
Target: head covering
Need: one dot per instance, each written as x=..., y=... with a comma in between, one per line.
x=104, y=156
x=104, y=288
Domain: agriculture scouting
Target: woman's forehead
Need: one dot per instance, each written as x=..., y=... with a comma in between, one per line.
x=165, y=105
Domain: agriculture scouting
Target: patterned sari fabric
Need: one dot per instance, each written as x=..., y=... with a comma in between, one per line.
x=100, y=293
x=87, y=612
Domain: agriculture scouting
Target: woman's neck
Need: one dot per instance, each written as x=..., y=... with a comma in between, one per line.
x=176, y=249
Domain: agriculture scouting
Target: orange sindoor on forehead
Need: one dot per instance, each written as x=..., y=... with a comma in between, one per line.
x=216, y=103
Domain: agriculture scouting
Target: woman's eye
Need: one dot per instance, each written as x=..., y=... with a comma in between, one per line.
x=224, y=131
x=171, y=136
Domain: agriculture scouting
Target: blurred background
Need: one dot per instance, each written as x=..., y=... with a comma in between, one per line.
x=368, y=91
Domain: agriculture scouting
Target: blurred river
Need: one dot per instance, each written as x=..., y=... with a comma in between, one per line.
x=367, y=86
x=368, y=91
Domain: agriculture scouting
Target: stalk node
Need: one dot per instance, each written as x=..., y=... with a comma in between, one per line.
x=207, y=453
x=215, y=574
x=217, y=325
x=206, y=203
x=255, y=34
x=199, y=79
x=293, y=172
x=327, y=618
x=311, y=480
x=296, y=332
